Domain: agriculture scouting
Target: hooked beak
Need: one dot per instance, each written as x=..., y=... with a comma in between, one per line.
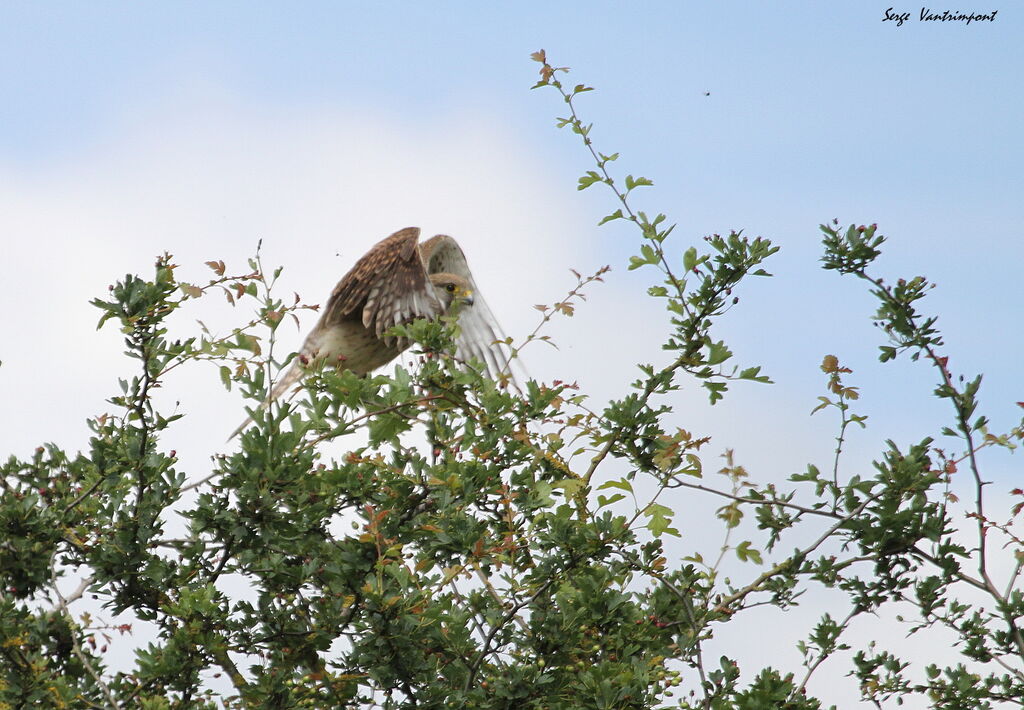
x=468, y=299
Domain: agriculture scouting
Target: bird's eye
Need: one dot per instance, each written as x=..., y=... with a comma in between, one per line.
x=450, y=288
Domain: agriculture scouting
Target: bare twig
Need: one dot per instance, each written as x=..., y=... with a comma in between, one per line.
x=756, y=501
x=62, y=607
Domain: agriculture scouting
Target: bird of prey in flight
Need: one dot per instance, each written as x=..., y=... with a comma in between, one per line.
x=398, y=280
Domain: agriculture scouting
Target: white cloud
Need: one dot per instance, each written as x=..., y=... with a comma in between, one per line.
x=206, y=177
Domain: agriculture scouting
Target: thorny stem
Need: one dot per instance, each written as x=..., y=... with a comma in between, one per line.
x=840, y=440
x=140, y=411
x=965, y=578
x=577, y=125
x=549, y=312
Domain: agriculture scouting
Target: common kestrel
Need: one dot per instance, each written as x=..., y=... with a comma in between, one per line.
x=395, y=282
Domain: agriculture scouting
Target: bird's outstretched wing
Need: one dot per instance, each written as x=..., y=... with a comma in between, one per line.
x=480, y=335
x=390, y=285
x=386, y=287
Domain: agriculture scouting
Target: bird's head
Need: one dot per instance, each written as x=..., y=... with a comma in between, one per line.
x=451, y=288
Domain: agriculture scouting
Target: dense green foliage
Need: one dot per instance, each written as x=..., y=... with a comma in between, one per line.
x=487, y=548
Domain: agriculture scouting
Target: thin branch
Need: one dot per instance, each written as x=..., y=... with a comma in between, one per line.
x=601, y=455
x=377, y=412
x=840, y=440
x=622, y=196
x=1013, y=577
x=756, y=501
x=687, y=603
x=549, y=312
x=497, y=597
x=962, y=576
x=966, y=430
x=200, y=482
x=725, y=602
x=85, y=494
x=497, y=627
x=799, y=690
x=77, y=594
x=472, y=617
x=62, y=607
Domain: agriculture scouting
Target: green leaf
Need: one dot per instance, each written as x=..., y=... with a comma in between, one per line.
x=746, y=553
x=730, y=514
x=225, y=377
x=716, y=390
x=812, y=474
x=632, y=182
x=617, y=214
x=589, y=179
x=718, y=353
x=603, y=501
x=621, y=483
x=753, y=373
x=825, y=401
x=690, y=259
x=571, y=486
x=659, y=520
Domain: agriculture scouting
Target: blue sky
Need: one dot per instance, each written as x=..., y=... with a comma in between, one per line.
x=131, y=128
x=815, y=111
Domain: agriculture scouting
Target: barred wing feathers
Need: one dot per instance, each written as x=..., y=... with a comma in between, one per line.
x=389, y=286
x=385, y=288
x=479, y=330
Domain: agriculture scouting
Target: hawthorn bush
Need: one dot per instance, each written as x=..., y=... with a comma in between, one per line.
x=481, y=547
